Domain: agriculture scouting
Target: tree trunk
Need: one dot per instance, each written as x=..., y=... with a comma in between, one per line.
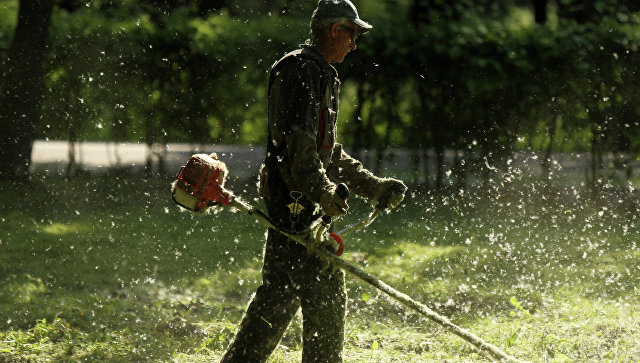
x=148, y=164
x=368, y=140
x=427, y=169
x=391, y=121
x=71, y=164
x=415, y=165
x=546, y=160
x=357, y=120
x=162, y=167
x=149, y=139
x=21, y=88
x=460, y=170
x=440, y=165
x=422, y=132
x=595, y=118
x=594, y=157
x=540, y=11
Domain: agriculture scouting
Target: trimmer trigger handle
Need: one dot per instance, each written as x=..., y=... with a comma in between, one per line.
x=340, y=243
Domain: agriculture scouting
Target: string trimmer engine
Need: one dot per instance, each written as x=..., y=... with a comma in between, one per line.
x=200, y=184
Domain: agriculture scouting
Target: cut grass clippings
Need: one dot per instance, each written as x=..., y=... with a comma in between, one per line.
x=110, y=269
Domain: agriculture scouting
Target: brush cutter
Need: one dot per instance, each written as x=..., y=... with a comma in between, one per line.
x=200, y=185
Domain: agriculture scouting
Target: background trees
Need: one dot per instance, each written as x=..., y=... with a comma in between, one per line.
x=21, y=85
x=481, y=79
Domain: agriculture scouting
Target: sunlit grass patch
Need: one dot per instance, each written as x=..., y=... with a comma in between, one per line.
x=58, y=228
x=570, y=327
x=20, y=290
x=396, y=261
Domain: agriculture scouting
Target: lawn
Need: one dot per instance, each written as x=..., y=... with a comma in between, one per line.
x=110, y=269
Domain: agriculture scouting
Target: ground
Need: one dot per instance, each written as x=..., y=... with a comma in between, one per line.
x=104, y=268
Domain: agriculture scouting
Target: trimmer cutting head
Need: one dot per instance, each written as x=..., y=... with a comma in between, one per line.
x=200, y=184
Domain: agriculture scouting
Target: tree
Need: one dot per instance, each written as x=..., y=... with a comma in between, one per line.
x=540, y=10
x=21, y=87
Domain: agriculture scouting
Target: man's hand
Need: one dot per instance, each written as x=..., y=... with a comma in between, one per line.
x=389, y=193
x=332, y=204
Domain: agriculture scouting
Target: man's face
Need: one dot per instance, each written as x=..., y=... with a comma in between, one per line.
x=345, y=40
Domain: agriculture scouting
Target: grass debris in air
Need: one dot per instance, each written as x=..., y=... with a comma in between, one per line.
x=99, y=269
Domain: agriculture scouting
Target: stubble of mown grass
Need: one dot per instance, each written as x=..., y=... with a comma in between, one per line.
x=103, y=269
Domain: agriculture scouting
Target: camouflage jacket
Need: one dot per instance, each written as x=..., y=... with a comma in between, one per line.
x=303, y=158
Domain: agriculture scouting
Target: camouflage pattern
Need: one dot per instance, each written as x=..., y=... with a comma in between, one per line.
x=303, y=162
x=293, y=278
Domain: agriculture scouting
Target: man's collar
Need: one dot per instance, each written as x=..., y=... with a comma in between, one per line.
x=313, y=49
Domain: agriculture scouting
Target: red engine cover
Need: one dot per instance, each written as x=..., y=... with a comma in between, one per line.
x=203, y=178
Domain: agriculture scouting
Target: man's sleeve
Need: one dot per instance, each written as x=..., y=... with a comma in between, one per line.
x=345, y=169
x=298, y=106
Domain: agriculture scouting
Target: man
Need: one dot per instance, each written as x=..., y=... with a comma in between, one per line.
x=298, y=183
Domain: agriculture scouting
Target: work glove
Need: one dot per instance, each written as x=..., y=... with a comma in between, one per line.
x=389, y=194
x=332, y=204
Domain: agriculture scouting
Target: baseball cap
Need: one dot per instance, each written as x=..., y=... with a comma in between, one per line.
x=340, y=9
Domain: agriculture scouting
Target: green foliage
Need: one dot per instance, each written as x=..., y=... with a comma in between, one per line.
x=9, y=14
x=127, y=74
x=478, y=77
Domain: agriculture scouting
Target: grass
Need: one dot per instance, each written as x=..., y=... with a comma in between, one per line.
x=109, y=269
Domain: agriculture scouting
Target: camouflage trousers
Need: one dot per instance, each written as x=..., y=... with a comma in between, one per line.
x=292, y=278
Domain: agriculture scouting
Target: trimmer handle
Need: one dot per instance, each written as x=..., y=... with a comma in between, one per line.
x=343, y=192
x=340, y=243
